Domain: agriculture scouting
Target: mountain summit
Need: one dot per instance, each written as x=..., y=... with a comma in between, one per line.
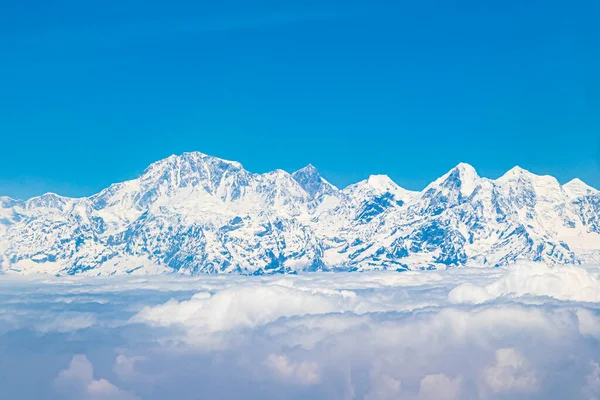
x=194, y=213
x=312, y=182
x=577, y=188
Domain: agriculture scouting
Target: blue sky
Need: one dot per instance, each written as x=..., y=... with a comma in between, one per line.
x=92, y=92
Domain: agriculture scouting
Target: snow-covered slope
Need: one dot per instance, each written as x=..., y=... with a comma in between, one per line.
x=200, y=214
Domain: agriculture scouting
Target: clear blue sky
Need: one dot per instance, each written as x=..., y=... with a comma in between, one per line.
x=91, y=92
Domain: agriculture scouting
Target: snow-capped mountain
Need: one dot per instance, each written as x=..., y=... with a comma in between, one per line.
x=200, y=214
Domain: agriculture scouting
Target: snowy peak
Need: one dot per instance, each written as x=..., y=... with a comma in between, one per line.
x=521, y=184
x=383, y=183
x=515, y=172
x=379, y=183
x=465, y=169
x=516, y=179
x=462, y=177
x=164, y=179
x=191, y=169
x=376, y=195
x=194, y=213
x=450, y=190
x=312, y=182
x=577, y=188
x=7, y=202
x=309, y=170
x=47, y=200
x=280, y=181
x=518, y=175
x=376, y=185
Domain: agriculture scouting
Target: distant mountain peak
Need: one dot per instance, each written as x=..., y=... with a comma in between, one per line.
x=193, y=165
x=190, y=158
x=521, y=179
x=309, y=169
x=194, y=213
x=381, y=182
x=312, y=182
x=376, y=183
x=461, y=179
x=516, y=172
x=377, y=188
x=6, y=202
x=465, y=168
x=577, y=188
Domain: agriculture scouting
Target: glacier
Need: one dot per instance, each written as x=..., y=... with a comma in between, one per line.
x=198, y=214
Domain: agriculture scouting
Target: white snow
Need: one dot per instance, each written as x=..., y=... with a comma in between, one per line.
x=195, y=213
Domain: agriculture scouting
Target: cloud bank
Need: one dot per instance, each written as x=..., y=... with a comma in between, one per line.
x=525, y=332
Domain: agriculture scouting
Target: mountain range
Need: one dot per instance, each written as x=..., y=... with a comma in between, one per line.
x=195, y=214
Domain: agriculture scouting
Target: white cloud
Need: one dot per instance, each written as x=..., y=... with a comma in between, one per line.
x=510, y=372
x=66, y=322
x=469, y=293
x=591, y=390
x=384, y=387
x=248, y=306
x=125, y=367
x=77, y=382
x=439, y=387
x=304, y=373
x=456, y=334
x=560, y=282
x=589, y=323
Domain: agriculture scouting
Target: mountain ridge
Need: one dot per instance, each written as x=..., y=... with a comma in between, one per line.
x=195, y=213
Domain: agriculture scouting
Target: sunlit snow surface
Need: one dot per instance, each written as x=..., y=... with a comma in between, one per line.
x=523, y=332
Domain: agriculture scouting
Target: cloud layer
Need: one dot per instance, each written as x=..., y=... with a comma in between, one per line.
x=525, y=332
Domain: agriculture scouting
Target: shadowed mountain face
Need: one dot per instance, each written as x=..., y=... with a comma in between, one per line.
x=199, y=214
